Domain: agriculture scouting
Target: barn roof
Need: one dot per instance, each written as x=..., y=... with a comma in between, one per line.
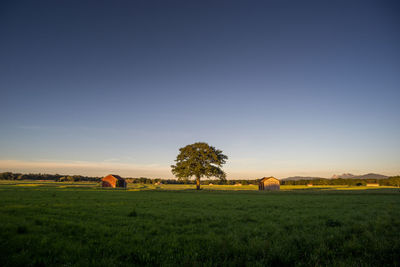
x=267, y=178
x=115, y=176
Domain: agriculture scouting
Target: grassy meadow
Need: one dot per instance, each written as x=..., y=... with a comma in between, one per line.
x=81, y=224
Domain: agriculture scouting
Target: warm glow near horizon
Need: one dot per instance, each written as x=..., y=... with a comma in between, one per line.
x=151, y=170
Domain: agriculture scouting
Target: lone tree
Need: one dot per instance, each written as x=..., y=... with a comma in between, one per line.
x=198, y=160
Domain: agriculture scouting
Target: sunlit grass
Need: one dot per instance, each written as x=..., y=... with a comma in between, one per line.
x=169, y=187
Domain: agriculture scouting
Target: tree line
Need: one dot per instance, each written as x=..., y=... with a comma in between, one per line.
x=391, y=181
x=47, y=177
x=139, y=180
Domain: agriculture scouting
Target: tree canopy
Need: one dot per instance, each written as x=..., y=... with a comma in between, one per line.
x=199, y=160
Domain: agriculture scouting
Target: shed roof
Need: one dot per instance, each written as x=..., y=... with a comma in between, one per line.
x=114, y=176
x=267, y=178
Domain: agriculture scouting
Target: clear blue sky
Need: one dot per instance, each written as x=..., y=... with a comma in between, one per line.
x=282, y=87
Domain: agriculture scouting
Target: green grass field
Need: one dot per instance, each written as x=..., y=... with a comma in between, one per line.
x=80, y=224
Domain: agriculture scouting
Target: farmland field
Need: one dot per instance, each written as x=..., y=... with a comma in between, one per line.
x=80, y=224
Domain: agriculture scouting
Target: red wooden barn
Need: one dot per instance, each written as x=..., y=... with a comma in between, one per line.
x=113, y=180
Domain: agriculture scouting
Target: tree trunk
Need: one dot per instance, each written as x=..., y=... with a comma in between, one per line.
x=198, y=183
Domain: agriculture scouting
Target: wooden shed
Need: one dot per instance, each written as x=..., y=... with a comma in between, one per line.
x=113, y=180
x=269, y=183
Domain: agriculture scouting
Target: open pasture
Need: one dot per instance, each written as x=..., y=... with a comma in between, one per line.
x=80, y=224
x=174, y=187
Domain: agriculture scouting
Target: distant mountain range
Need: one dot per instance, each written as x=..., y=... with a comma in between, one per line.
x=365, y=176
x=343, y=176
